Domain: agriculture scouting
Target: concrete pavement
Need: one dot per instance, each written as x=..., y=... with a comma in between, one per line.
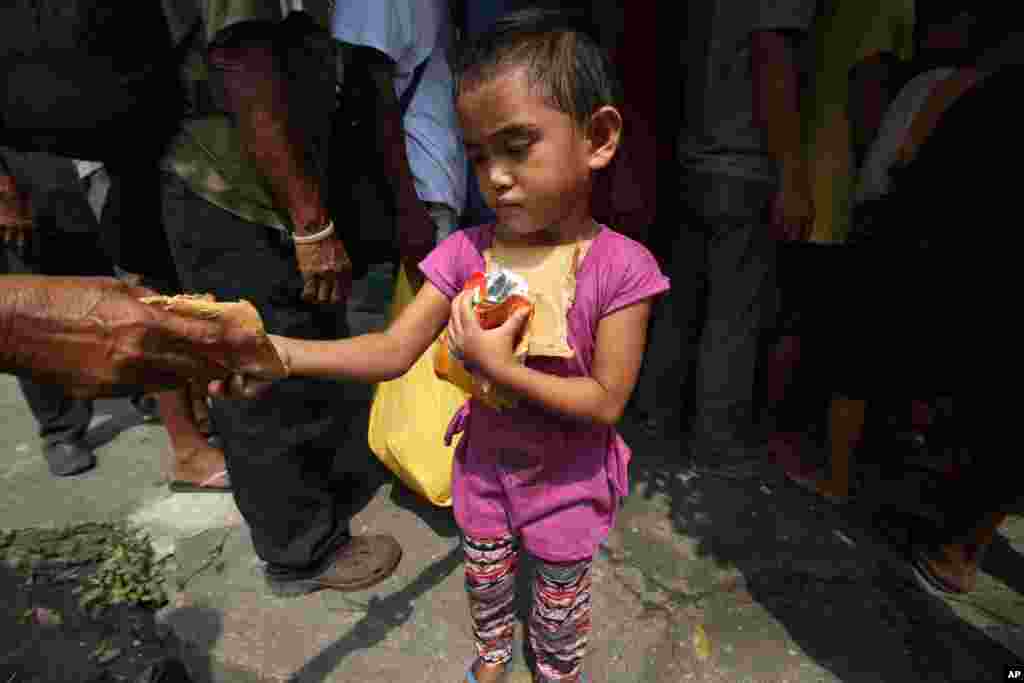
x=701, y=580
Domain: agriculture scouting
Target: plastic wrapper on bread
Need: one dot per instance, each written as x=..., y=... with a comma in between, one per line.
x=496, y=296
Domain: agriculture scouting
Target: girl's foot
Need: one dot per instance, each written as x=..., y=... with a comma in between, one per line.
x=482, y=672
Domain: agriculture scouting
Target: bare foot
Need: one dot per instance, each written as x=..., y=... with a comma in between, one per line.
x=833, y=491
x=952, y=566
x=196, y=464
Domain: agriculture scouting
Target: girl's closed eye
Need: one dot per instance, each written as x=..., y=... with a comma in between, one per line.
x=518, y=149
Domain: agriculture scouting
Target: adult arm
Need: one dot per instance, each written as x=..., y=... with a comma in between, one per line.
x=93, y=336
x=256, y=94
x=870, y=96
x=416, y=229
x=777, y=113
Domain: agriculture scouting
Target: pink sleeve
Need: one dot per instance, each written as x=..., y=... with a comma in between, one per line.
x=635, y=277
x=451, y=263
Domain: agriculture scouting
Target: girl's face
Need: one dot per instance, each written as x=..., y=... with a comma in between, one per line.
x=532, y=161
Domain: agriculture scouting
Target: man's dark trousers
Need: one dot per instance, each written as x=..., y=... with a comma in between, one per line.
x=280, y=449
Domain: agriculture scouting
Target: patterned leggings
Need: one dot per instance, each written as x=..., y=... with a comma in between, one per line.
x=559, y=617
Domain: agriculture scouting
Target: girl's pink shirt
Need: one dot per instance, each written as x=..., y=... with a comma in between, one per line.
x=575, y=461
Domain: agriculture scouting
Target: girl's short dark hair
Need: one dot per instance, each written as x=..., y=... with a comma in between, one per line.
x=567, y=65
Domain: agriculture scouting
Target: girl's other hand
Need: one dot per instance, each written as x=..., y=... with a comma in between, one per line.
x=486, y=349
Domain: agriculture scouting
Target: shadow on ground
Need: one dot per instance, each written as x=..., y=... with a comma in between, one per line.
x=60, y=643
x=832, y=577
x=382, y=616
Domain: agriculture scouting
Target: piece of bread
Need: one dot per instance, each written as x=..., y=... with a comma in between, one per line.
x=241, y=314
x=550, y=274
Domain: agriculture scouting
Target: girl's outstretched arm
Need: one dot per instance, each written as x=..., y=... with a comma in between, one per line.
x=600, y=398
x=375, y=357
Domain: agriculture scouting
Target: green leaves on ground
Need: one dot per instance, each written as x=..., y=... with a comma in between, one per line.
x=127, y=571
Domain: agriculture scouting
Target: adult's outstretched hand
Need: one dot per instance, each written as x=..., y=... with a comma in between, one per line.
x=94, y=337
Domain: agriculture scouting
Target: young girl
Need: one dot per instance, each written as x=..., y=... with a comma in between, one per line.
x=536, y=105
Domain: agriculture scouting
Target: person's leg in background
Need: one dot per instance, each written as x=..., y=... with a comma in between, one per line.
x=800, y=362
x=62, y=420
x=675, y=330
x=129, y=211
x=64, y=242
x=741, y=271
x=975, y=505
x=280, y=450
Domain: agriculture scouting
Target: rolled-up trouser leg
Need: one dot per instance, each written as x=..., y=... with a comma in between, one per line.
x=740, y=303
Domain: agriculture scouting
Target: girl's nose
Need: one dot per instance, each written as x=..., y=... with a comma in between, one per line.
x=501, y=180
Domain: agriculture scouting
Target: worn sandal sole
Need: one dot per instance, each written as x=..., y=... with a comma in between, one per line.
x=192, y=487
x=203, y=487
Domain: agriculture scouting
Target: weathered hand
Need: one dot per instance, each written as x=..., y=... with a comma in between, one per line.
x=94, y=336
x=326, y=271
x=485, y=349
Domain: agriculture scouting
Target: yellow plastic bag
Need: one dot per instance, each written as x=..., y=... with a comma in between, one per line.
x=409, y=416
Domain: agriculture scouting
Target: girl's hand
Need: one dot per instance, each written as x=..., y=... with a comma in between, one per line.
x=487, y=349
x=241, y=386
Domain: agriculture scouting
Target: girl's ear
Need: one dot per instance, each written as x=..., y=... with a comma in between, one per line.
x=604, y=135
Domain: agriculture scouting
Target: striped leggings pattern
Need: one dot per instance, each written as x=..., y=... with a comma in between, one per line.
x=560, y=616
x=491, y=584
